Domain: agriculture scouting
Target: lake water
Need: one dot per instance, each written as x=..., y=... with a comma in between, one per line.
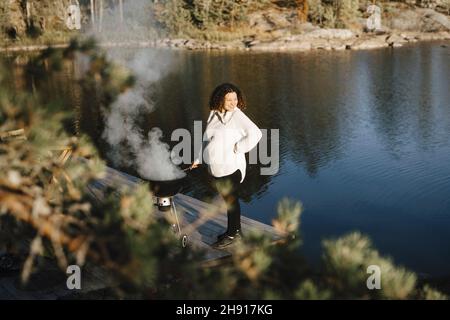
x=364, y=138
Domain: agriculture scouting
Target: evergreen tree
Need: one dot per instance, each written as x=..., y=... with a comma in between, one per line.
x=45, y=210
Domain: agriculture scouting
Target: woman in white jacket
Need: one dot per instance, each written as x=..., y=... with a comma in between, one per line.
x=229, y=134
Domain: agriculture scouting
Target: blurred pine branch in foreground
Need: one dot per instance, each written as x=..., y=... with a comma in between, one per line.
x=45, y=212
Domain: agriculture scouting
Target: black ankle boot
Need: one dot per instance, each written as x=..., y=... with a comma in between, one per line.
x=238, y=233
x=227, y=239
x=222, y=236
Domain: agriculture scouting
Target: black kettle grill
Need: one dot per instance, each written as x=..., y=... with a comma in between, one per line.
x=163, y=192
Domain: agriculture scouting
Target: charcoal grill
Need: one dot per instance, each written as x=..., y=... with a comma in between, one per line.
x=164, y=191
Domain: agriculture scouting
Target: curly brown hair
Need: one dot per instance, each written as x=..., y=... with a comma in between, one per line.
x=217, y=99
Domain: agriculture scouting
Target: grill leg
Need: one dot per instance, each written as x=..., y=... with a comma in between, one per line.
x=184, y=237
x=176, y=217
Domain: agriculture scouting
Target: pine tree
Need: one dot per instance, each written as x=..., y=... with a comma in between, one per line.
x=44, y=205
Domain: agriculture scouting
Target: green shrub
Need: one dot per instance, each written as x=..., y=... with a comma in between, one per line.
x=173, y=16
x=333, y=13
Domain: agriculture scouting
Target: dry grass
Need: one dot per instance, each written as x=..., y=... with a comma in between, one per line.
x=48, y=38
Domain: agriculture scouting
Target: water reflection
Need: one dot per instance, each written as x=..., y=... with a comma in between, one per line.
x=364, y=138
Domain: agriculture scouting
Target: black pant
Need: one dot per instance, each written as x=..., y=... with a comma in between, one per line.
x=228, y=188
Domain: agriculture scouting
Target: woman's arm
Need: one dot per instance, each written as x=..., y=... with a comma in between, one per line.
x=252, y=134
x=197, y=162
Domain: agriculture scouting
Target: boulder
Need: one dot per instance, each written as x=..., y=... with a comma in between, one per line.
x=432, y=21
x=258, y=22
x=279, y=33
x=410, y=36
x=395, y=40
x=424, y=20
x=297, y=42
x=339, y=44
x=404, y=19
x=271, y=20
x=282, y=45
x=306, y=27
x=298, y=46
x=370, y=43
x=269, y=46
x=279, y=19
x=343, y=34
x=321, y=44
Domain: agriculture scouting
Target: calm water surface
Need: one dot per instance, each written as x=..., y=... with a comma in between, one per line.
x=364, y=138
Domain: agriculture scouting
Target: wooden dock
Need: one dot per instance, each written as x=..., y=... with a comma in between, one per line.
x=50, y=283
x=196, y=222
x=202, y=221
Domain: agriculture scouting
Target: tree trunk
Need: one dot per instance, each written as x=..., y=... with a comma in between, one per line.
x=121, y=10
x=302, y=10
x=92, y=14
x=100, y=18
x=28, y=9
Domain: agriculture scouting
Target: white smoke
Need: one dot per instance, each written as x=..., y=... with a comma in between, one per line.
x=153, y=157
x=149, y=155
x=133, y=23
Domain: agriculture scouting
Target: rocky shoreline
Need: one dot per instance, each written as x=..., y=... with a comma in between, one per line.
x=321, y=39
x=278, y=29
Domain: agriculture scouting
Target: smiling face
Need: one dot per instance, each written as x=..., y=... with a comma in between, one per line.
x=230, y=101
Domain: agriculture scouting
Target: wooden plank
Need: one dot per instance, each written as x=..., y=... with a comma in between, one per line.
x=11, y=289
x=196, y=221
x=182, y=199
x=115, y=177
x=5, y=294
x=121, y=176
x=186, y=229
x=92, y=280
x=247, y=223
x=209, y=227
x=218, y=224
x=197, y=218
